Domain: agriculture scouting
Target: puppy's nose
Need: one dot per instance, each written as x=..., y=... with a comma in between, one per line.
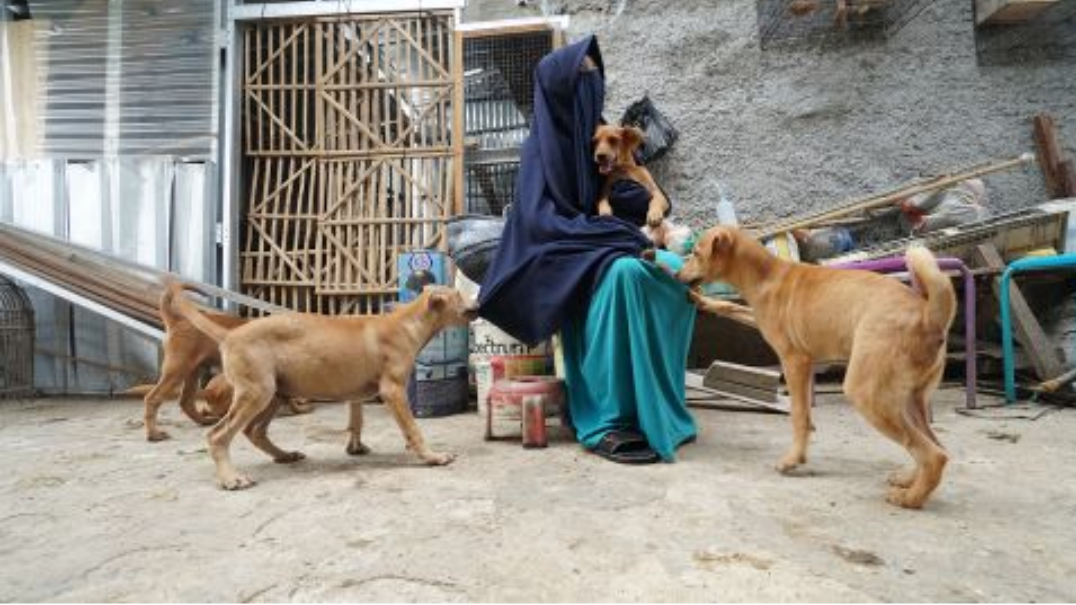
x=601, y=157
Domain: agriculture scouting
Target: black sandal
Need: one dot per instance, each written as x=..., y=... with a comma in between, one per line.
x=626, y=447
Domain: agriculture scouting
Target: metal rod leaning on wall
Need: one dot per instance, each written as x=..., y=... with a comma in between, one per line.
x=887, y=199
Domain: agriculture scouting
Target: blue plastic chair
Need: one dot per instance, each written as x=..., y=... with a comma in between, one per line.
x=1024, y=265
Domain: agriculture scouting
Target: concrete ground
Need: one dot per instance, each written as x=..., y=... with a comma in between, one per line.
x=91, y=512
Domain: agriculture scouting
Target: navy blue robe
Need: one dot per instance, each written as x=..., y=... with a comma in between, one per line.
x=554, y=249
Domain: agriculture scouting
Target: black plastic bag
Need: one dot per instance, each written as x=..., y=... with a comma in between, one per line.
x=658, y=132
x=472, y=243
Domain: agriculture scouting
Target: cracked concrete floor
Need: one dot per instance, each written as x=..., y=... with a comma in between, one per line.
x=91, y=512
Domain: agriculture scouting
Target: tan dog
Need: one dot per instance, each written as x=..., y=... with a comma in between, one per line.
x=331, y=358
x=186, y=351
x=613, y=153
x=893, y=338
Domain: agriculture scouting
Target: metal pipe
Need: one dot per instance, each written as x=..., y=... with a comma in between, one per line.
x=1040, y=263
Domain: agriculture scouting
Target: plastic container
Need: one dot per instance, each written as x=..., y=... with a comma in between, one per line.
x=726, y=210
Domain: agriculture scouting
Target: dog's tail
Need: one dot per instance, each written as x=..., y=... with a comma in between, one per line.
x=935, y=286
x=182, y=306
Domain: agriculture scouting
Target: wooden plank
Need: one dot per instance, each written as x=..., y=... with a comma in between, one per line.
x=1029, y=333
x=723, y=371
x=1049, y=153
x=998, y=12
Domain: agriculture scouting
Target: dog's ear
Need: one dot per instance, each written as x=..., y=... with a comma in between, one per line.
x=633, y=137
x=437, y=300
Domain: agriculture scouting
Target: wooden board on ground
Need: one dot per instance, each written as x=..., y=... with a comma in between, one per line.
x=701, y=396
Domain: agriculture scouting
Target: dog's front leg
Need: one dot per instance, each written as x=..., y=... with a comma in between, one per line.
x=395, y=397
x=355, y=446
x=733, y=311
x=604, y=208
x=799, y=376
x=659, y=205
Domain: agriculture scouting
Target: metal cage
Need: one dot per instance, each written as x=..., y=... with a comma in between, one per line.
x=16, y=341
x=498, y=69
x=832, y=22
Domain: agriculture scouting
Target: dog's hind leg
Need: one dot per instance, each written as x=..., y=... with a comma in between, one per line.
x=895, y=411
x=798, y=375
x=355, y=446
x=395, y=397
x=258, y=433
x=170, y=379
x=247, y=404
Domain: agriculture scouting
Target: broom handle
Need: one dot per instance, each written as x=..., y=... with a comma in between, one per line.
x=885, y=199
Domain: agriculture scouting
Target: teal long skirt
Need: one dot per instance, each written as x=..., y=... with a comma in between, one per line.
x=625, y=360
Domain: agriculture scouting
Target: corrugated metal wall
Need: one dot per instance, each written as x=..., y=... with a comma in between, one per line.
x=124, y=162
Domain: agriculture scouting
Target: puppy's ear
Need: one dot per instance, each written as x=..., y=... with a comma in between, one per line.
x=633, y=137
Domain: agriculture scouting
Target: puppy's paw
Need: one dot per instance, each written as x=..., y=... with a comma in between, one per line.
x=235, y=482
x=357, y=448
x=654, y=217
x=604, y=208
x=902, y=478
x=789, y=464
x=901, y=497
x=289, y=457
x=158, y=435
x=438, y=459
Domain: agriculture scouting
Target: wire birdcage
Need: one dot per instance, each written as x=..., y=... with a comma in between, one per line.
x=16, y=341
x=499, y=93
x=832, y=22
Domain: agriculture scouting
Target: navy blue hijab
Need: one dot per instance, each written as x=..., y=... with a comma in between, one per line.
x=554, y=249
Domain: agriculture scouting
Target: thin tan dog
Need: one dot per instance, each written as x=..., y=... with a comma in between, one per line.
x=893, y=338
x=332, y=358
x=186, y=351
x=613, y=152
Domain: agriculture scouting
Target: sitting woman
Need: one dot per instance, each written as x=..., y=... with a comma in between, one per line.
x=625, y=323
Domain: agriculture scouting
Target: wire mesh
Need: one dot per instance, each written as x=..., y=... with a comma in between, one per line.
x=832, y=22
x=499, y=96
x=1049, y=36
x=16, y=341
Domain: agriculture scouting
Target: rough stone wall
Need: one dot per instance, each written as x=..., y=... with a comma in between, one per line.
x=789, y=131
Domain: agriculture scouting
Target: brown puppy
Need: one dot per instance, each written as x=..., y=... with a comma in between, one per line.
x=613, y=147
x=892, y=337
x=332, y=358
x=186, y=351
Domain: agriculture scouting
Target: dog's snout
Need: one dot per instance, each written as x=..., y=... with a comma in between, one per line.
x=602, y=157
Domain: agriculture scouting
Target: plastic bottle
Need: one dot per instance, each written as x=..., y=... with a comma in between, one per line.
x=726, y=211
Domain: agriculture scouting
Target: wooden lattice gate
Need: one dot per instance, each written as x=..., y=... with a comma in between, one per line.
x=350, y=155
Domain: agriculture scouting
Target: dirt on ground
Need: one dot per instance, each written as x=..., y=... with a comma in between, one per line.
x=91, y=512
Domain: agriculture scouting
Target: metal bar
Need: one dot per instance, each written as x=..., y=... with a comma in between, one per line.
x=80, y=300
x=229, y=159
x=523, y=24
x=1062, y=261
x=330, y=8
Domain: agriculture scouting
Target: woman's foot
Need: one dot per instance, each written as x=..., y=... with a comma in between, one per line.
x=626, y=446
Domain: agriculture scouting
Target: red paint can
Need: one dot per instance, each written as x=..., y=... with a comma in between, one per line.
x=534, y=435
